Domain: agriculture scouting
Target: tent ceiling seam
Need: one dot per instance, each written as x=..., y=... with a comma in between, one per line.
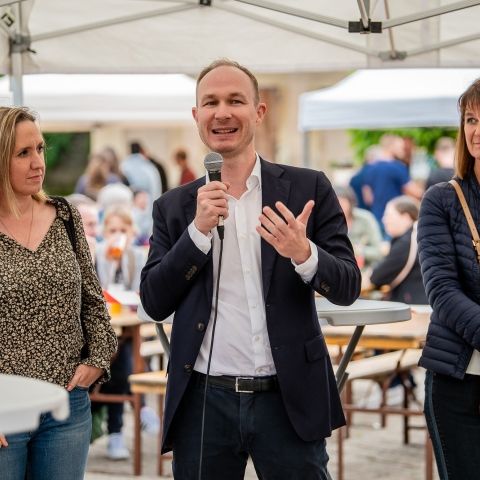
x=111, y=22
x=300, y=31
x=336, y=22
x=445, y=44
x=434, y=12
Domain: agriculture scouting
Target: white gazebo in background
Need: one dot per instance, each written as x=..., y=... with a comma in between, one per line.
x=117, y=109
x=379, y=99
x=387, y=99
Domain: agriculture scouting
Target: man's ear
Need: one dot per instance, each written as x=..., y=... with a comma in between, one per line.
x=194, y=113
x=261, y=111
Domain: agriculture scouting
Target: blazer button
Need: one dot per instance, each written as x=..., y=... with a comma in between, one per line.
x=188, y=368
x=200, y=326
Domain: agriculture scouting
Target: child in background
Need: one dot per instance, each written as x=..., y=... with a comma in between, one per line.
x=119, y=264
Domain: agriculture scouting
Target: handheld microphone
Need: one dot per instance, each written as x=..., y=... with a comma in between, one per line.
x=213, y=164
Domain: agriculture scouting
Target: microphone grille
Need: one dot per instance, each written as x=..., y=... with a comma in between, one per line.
x=213, y=162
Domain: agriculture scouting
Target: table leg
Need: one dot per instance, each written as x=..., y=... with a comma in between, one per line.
x=342, y=374
x=137, y=435
x=137, y=368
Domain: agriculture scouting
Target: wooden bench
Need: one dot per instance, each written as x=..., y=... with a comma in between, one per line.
x=153, y=383
x=382, y=369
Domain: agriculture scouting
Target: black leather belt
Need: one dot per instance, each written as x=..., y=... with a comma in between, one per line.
x=242, y=384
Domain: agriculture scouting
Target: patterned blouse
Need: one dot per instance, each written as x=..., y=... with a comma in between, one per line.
x=43, y=295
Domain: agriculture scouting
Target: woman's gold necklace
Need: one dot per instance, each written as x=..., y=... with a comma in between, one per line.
x=29, y=230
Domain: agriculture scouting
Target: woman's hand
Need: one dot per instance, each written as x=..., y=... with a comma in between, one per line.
x=3, y=441
x=84, y=376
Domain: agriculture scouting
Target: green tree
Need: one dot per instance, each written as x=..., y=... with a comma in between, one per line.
x=57, y=145
x=360, y=140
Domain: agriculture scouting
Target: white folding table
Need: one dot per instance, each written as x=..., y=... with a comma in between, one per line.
x=23, y=400
x=359, y=314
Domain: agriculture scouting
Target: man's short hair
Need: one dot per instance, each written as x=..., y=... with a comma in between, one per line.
x=181, y=154
x=135, y=147
x=226, y=62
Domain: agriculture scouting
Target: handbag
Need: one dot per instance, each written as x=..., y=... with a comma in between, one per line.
x=468, y=216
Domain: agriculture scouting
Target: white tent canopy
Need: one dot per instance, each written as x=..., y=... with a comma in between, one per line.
x=87, y=100
x=181, y=36
x=387, y=98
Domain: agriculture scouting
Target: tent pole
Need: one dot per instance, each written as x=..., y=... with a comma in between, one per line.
x=16, y=61
x=306, y=149
x=16, y=81
x=364, y=6
x=414, y=17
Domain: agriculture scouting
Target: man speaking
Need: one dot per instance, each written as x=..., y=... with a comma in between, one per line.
x=271, y=392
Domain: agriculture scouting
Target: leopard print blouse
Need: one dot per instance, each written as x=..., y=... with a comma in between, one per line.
x=43, y=295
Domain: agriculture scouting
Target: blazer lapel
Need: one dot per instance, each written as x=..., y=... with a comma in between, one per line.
x=274, y=189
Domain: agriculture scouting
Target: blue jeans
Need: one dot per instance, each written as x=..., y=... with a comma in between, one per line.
x=238, y=425
x=56, y=450
x=453, y=420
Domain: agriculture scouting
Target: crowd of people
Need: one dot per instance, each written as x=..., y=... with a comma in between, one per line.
x=381, y=205
x=288, y=235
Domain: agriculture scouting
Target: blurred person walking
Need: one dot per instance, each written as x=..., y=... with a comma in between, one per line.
x=140, y=172
x=388, y=177
x=444, y=155
x=54, y=325
x=186, y=173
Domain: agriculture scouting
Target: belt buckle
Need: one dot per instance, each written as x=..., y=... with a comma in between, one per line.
x=236, y=385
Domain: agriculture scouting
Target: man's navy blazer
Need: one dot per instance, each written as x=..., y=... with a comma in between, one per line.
x=178, y=277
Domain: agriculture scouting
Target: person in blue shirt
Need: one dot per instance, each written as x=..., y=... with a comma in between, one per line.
x=388, y=177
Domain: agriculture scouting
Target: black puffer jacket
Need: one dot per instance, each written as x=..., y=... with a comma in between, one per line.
x=451, y=275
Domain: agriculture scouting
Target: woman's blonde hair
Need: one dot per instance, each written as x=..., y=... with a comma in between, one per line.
x=10, y=117
x=469, y=100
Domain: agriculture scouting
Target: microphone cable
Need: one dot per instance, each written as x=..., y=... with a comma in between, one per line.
x=220, y=230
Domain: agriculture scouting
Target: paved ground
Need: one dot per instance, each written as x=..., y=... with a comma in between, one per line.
x=370, y=453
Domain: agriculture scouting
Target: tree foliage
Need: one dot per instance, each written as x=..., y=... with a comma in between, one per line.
x=57, y=145
x=360, y=140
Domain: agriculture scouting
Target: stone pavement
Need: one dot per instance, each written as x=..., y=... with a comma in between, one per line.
x=370, y=453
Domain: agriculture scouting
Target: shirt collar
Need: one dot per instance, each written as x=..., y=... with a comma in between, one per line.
x=255, y=178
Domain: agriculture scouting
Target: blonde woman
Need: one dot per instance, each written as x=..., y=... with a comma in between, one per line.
x=51, y=307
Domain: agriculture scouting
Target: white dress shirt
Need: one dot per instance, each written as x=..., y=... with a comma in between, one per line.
x=241, y=344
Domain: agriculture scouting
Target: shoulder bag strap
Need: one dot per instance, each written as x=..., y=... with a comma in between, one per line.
x=468, y=216
x=412, y=256
x=69, y=225
x=70, y=228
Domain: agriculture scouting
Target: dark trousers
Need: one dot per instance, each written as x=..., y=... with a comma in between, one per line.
x=122, y=367
x=239, y=425
x=453, y=420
